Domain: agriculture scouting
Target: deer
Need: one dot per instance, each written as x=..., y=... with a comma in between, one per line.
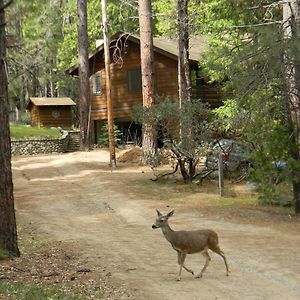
x=190, y=242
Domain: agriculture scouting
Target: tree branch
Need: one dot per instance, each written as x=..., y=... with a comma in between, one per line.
x=256, y=25
x=166, y=174
x=5, y=6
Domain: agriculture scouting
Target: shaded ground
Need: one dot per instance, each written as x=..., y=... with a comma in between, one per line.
x=100, y=221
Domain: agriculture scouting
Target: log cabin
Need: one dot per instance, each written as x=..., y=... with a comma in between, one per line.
x=51, y=112
x=126, y=82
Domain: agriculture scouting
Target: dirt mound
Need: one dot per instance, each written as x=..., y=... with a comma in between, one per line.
x=133, y=155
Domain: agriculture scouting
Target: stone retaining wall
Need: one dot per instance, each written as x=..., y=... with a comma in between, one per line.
x=32, y=147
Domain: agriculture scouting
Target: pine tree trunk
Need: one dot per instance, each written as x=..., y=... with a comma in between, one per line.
x=183, y=49
x=8, y=230
x=110, y=119
x=184, y=87
x=84, y=90
x=147, y=68
x=291, y=30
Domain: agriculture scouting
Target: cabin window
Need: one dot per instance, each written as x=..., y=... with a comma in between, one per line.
x=134, y=79
x=96, y=84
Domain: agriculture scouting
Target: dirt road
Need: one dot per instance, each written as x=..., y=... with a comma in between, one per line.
x=77, y=199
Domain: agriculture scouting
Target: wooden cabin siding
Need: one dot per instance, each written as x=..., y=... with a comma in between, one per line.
x=210, y=94
x=35, y=116
x=166, y=77
x=124, y=99
x=48, y=120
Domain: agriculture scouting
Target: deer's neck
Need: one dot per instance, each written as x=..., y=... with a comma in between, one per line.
x=168, y=232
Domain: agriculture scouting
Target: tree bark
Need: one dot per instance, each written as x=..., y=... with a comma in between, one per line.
x=291, y=15
x=110, y=119
x=147, y=68
x=184, y=85
x=84, y=91
x=8, y=229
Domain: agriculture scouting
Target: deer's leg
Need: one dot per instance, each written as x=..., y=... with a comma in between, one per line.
x=208, y=259
x=221, y=253
x=182, y=256
x=181, y=259
x=188, y=270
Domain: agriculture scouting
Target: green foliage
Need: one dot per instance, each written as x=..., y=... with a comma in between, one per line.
x=3, y=254
x=34, y=61
x=228, y=116
x=165, y=17
x=168, y=116
x=169, y=121
x=119, y=20
x=22, y=291
x=274, y=180
x=103, y=139
x=247, y=55
x=19, y=132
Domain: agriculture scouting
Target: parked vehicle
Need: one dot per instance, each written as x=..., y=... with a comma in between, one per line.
x=236, y=155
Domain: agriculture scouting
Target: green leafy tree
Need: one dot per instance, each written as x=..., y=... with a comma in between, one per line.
x=165, y=118
x=248, y=51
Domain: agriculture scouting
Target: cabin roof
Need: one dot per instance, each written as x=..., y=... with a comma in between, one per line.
x=197, y=46
x=162, y=45
x=47, y=101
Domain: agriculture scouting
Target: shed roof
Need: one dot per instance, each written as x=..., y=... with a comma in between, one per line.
x=162, y=45
x=47, y=101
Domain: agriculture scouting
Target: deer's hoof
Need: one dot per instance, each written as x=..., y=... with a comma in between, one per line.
x=198, y=276
x=178, y=279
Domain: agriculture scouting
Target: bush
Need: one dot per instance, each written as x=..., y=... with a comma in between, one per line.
x=185, y=133
x=103, y=140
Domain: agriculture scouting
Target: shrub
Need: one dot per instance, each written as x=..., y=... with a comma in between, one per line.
x=103, y=140
x=185, y=133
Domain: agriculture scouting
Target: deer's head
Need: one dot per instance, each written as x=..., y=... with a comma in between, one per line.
x=161, y=219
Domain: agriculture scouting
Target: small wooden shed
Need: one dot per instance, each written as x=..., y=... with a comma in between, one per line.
x=51, y=112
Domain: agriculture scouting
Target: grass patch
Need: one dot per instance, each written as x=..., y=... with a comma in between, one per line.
x=31, y=244
x=3, y=254
x=21, y=132
x=20, y=291
x=206, y=194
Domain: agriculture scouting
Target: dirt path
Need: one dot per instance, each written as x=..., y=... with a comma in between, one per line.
x=75, y=198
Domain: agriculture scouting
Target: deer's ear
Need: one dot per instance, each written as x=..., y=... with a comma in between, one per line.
x=158, y=213
x=170, y=214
